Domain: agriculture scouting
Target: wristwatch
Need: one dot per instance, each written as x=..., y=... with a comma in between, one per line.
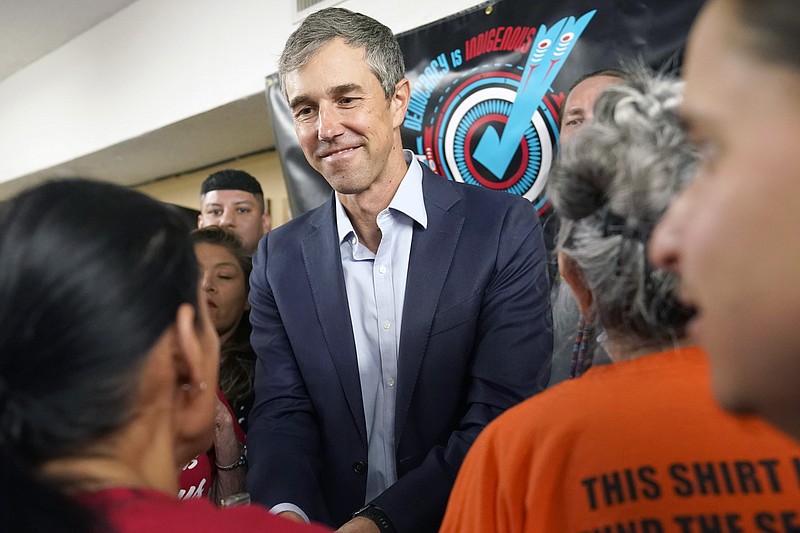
x=376, y=514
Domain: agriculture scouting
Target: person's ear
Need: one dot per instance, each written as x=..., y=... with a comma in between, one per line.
x=187, y=354
x=573, y=275
x=199, y=221
x=266, y=222
x=194, y=379
x=402, y=95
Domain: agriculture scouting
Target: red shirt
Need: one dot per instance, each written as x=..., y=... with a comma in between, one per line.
x=198, y=475
x=136, y=510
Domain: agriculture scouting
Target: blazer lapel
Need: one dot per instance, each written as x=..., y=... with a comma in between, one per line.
x=323, y=265
x=432, y=251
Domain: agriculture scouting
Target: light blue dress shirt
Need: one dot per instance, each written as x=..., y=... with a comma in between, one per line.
x=376, y=287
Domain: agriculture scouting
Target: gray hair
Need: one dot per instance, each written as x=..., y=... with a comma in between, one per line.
x=381, y=49
x=612, y=183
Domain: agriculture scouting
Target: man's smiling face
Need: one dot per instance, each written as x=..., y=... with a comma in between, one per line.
x=344, y=123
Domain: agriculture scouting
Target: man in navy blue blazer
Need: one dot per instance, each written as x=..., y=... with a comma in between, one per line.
x=393, y=322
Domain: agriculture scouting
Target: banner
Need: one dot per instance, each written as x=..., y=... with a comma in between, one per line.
x=488, y=85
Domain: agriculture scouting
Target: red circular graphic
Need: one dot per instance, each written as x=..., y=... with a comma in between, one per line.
x=455, y=93
x=498, y=185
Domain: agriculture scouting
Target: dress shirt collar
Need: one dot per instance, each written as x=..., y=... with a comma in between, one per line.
x=408, y=199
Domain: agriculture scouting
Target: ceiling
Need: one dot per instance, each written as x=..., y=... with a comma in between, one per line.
x=33, y=28
x=29, y=30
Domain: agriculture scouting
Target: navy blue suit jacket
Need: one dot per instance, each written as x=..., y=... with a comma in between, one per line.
x=475, y=340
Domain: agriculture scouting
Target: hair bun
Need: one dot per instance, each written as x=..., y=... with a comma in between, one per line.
x=579, y=185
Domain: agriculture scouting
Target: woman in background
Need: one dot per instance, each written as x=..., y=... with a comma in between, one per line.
x=108, y=366
x=224, y=266
x=638, y=445
x=225, y=279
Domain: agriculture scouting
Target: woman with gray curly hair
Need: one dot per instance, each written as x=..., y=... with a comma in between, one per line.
x=609, y=189
x=636, y=445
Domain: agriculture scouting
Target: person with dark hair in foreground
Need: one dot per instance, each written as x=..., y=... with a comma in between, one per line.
x=637, y=445
x=108, y=367
x=393, y=322
x=732, y=235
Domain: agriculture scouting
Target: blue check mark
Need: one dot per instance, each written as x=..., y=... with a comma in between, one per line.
x=548, y=53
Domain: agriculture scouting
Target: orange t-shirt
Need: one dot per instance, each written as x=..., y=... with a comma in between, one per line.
x=634, y=447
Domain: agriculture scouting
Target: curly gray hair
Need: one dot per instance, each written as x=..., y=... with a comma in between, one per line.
x=612, y=183
x=381, y=49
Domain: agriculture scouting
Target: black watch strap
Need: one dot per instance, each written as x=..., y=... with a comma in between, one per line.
x=376, y=514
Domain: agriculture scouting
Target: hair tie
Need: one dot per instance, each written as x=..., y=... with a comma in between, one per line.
x=615, y=224
x=582, y=350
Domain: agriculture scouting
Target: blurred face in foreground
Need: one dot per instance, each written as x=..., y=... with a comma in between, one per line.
x=732, y=235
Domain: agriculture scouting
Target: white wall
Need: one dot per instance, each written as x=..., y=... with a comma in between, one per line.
x=155, y=63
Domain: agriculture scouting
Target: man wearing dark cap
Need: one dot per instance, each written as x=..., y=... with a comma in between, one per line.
x=233, y=199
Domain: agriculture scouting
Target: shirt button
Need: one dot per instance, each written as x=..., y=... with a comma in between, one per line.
x=386, y=325
x=390, y=382
x=382, y=269
x=359, y=467
x=353, y=241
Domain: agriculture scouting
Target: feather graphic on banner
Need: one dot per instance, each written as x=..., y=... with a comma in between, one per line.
x=548, y=54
